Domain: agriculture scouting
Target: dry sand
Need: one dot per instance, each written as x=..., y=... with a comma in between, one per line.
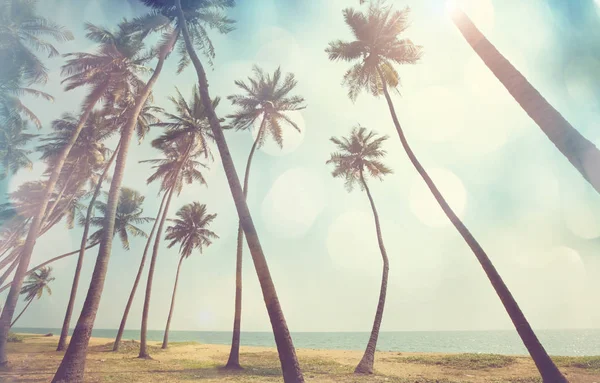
x=35, y=360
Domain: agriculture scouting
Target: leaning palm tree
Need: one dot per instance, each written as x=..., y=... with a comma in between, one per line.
x=190, y=231
x=190, y=123
x=190, y=17
x=178, y=167
x=357, y=157
x=34, y=287
x=14, y=154
x=580, y=151
x=93, y=152
x=376, y=49
x=72, y=366
x=107, y=72
x=266, y=98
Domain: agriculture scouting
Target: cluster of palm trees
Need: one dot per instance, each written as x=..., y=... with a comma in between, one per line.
x=119, y=103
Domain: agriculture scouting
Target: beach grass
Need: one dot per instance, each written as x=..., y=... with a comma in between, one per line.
x=34, y=359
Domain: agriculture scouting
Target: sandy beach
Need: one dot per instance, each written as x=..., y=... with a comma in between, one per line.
x=35, y=360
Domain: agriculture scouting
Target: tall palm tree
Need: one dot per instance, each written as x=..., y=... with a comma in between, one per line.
x=266, y=98
x=23, y=33
x=178, y=167
x=192, y=14
x=190, y=123
x=580, y=151
x=107, y=72
x=72, y=366
x=358, y=156
x=13, y=147
x=190, y=230
x=34, y=287
x=375, y=51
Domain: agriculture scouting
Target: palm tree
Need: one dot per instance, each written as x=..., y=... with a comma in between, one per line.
x=107, y=73
x=22, y=33
x=266, y=98
x=13, y=143
x=34, y=287
x=359, y=154
x=580, y=152
x=189, y=124
x=94, y=140
x=72, y=366
x=375, y=51
x=177, y=167
x=193, y=15
x=190, y=231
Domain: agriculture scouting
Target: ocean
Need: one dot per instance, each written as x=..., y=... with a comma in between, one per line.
x=556, y=342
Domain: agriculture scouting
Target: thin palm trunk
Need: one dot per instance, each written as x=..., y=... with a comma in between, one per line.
x=62, y=342
x=9, y=243
x=72, y=366
x=34, y=229
x=19, y=316
x=166, y=337
x=234, y=355
x=9, y=270
x=9, y=259
x=365, y=366
x=545, y=365
x=144, y=330
x=138, y=277
x=285, y=346
x=60, y=195
x=582, y=153
x=58, y=258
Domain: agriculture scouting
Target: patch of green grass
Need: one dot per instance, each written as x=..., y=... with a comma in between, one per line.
x=584, y=362
x=526, y=380
x=15, y=338
x=181, y=344
x=126, y=347
x=461, y=361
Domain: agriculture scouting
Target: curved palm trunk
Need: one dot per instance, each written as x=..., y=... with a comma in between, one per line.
x=234, y=355
x=545, y=365
x=58, y=258
x=32, y=235
x=19, y=316
x=365, y=366
x=138, y=277
x=166, y=337
x=285, y=346
x=144, y=330
x=62, y=342
x=582, y=153
x=9, y=260
x=60, y=195
x=72, y=366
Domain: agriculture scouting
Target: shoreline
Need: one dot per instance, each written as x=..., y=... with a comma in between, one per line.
x=35, y=360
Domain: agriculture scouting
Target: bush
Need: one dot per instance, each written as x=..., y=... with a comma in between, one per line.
x=14, y=338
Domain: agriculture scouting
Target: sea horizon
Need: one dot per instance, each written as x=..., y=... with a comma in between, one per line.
x=563, y=342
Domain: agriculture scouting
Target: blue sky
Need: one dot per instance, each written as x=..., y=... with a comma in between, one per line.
x=535, y=216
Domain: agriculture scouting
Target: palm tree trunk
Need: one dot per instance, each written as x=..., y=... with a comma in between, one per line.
x=19, y=316
x=72, y=366
x=166, y=337
x=32, y=235
x=62, y=342
x=52, y=207
x=582, y=153
x=146, y=311
x=233, y=363
x=144, y=331
x=9, y=258
x=285, y=346
x=138, y=277
x=9, y=270
x=545, y=365
x=8, y=244
x=366, y=363
x=48, y=262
